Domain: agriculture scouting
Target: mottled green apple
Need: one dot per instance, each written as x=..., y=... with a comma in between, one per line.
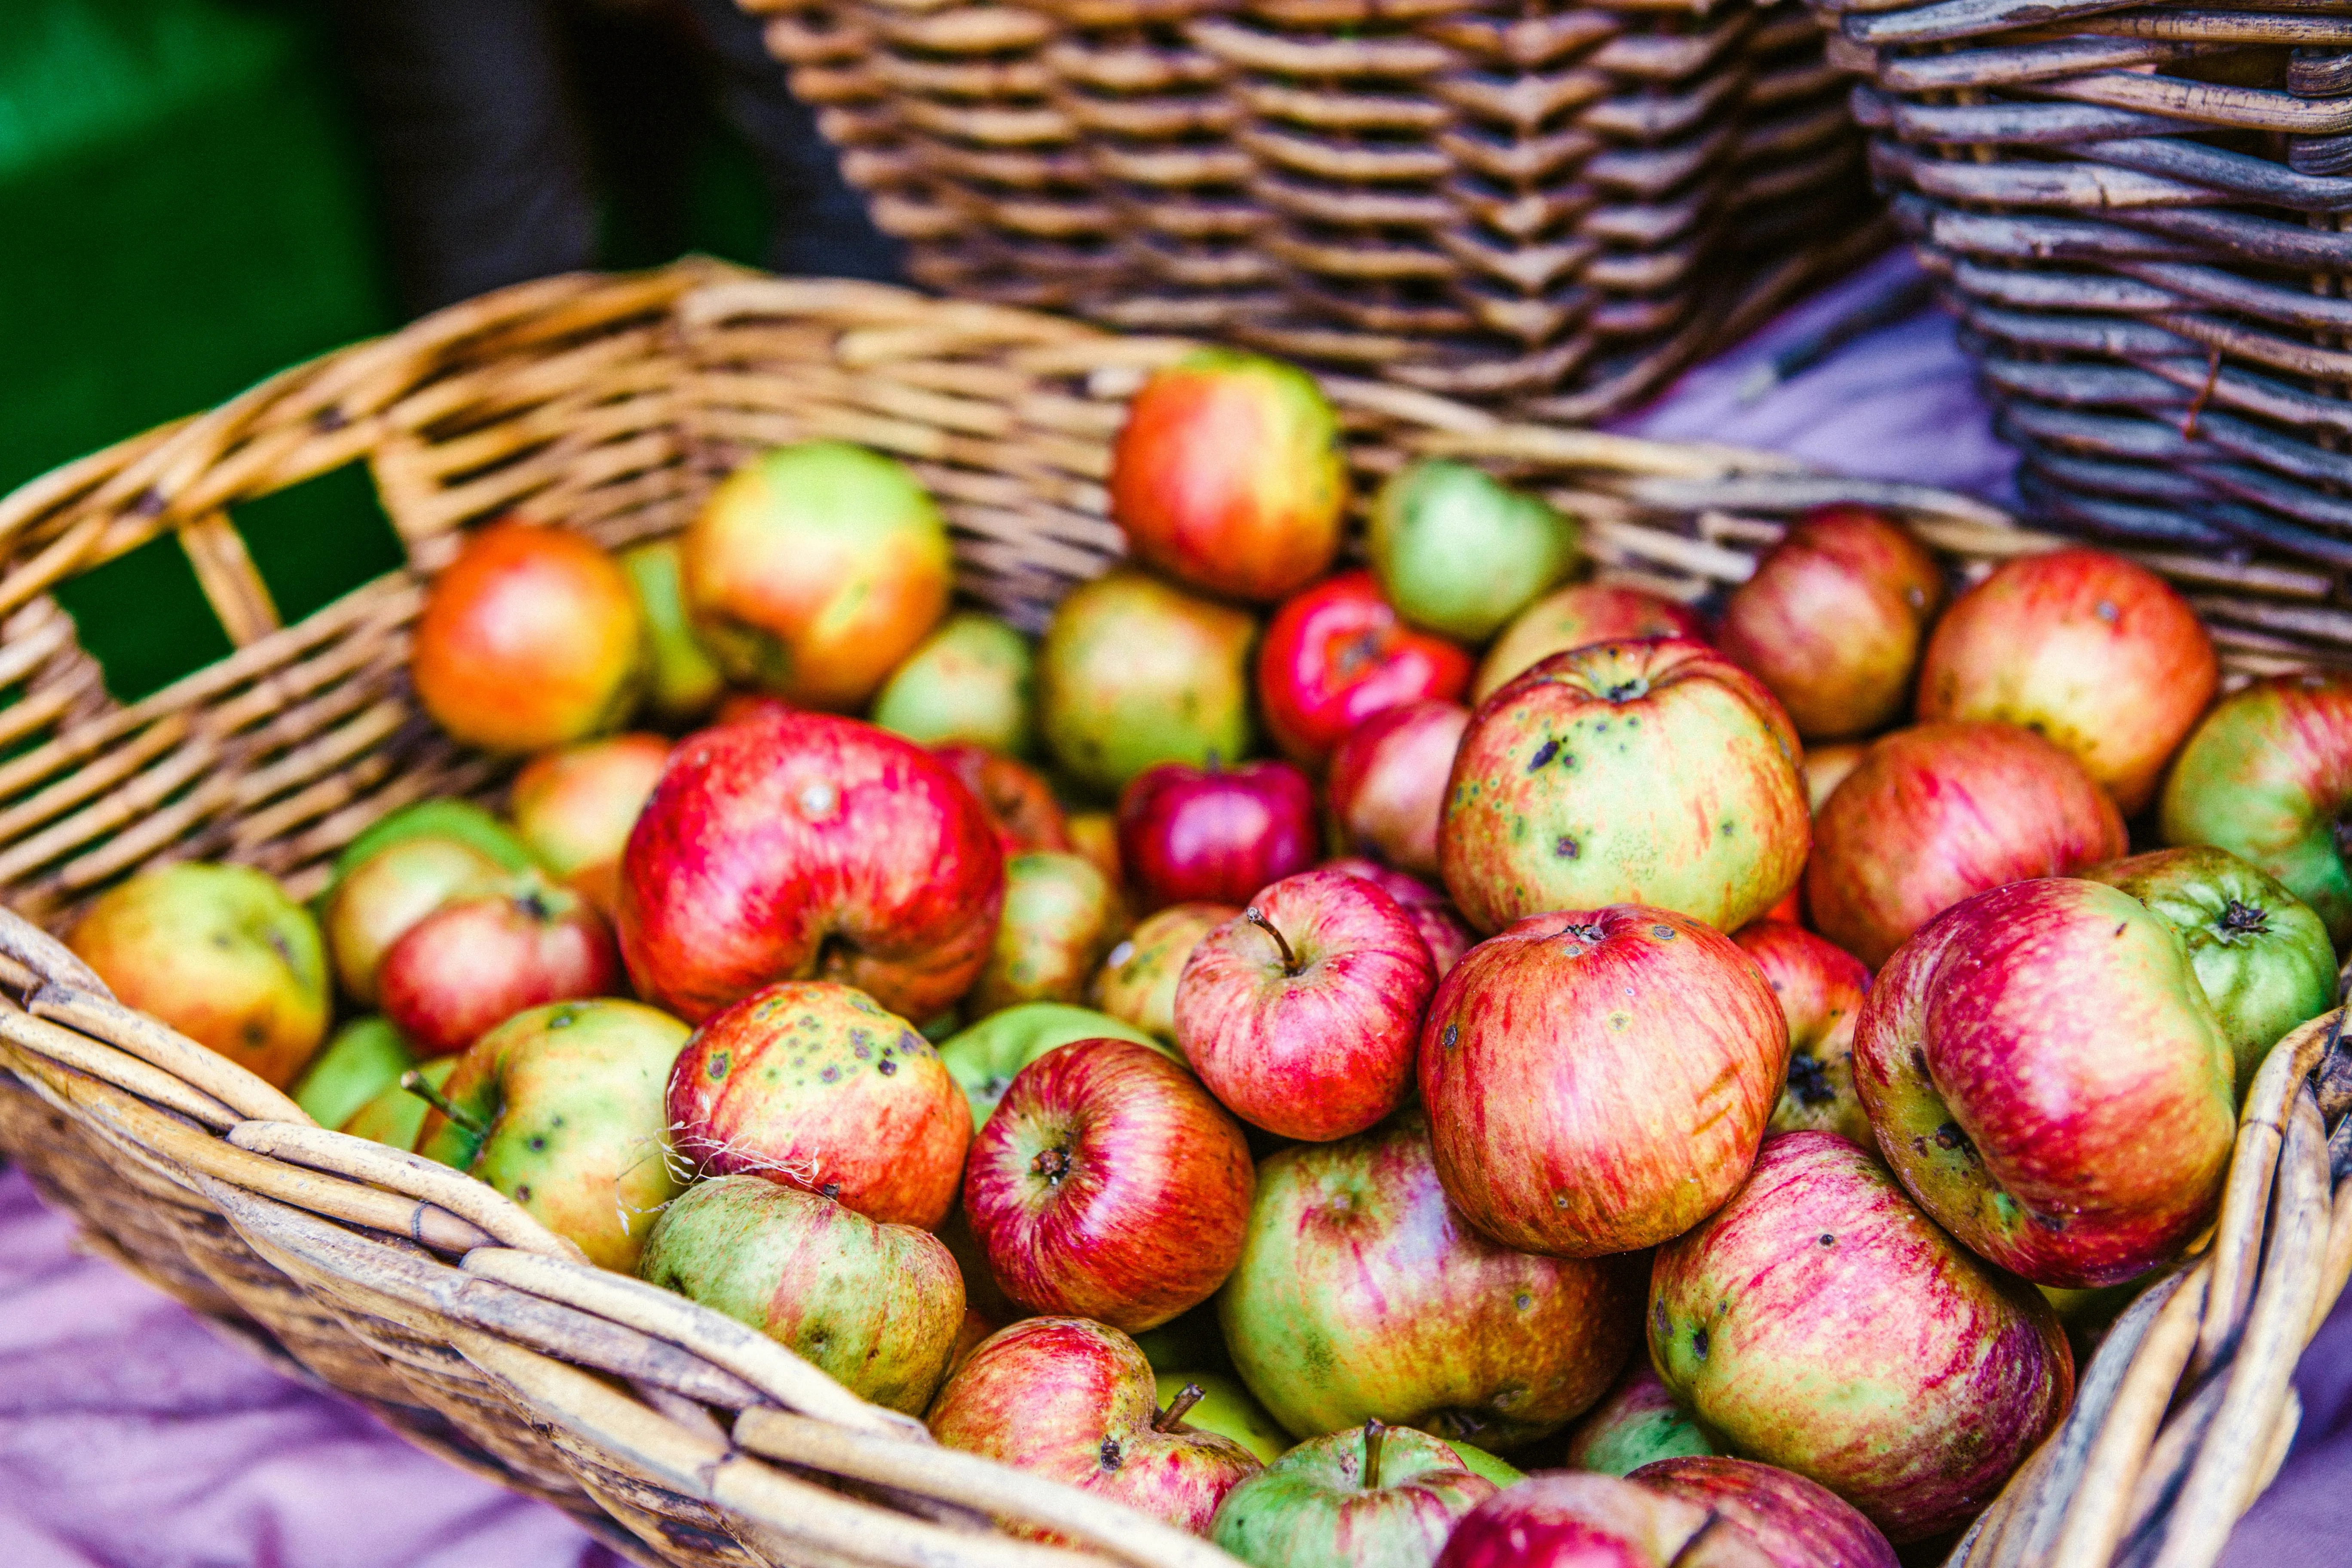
x=973, y=681
x=363, y=1059
x=984, y=1058
x=1134, y=671
x=1459, y=551
x=1370, y=1496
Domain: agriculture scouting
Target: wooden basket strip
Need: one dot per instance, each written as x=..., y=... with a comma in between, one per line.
x=98, y=1014
x=411, y=1174
x=127, y=1072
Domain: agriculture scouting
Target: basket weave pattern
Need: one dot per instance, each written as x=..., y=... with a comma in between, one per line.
x=612, y=405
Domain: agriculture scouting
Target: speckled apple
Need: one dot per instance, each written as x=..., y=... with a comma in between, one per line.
x=1060, y=917
x=1138, y=976
x=1575, y=616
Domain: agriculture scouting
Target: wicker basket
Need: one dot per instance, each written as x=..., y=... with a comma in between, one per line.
x=1550, y=205
x=612, y=404
x=2140, y=214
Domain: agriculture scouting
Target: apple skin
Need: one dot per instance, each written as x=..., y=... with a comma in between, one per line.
x=574, y=807
x=2268, y=776
x=1317, y=1504
x=1110, y=1185
x=1361, y=1294
x=1834, y=620
x=1216, y=834
x=221, y=954
x=1798, y=1523
x=570, y=1095
x=531, y=638
x=682, y=682
x=814, y=1084
x=1573, y=617
x=1570, y=1518
x=1138, y=981
x=801, y=846
x=1654, y=773
x=1460, y=552
x=1134, y=671
x=1017, y=801
x=1826, y=767
x=878, y=1307
x=1448, y=934
x=985, y=1058
x=1072, y=1400
x=1937, y=812
x=1060, y=917
x=385, y=894
x=973, y=681
x=359, y=1061
x=2046, y=1076
x=1639, y=1424
x=396, y=1116
x=1095, y=835
x=1317, y=1042
x=1820, y=987
x=470, y=967
x=1386, y=781
x=814, y=569
x=438, y=818
x=1228, y=475
x=1598, y=1081
x=2262, y=955
x=2095, y=652
x=1339, y=653
x=1226, y=1408
x=1821, y=1273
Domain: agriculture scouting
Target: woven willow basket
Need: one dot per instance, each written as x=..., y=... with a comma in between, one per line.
x=1550, y=204
x=612, y=406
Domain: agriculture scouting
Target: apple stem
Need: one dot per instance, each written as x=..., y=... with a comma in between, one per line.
x=1256, y=917
x=1375, y=1434
x=1189, y=1395
x=414, y=1083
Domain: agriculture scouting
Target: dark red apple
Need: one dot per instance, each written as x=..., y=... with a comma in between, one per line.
x=1338, y=654
x=1448, y=934
x=1798, y=1523
x=470, y=965
x=1216, y=834
x=1386, y=781
x=1018, y=802
x=1568, y=1519
x=1820, y=987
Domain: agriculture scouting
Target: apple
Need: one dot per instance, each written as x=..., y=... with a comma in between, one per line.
x=1109, y=1185
x=377, y=902
x=1136, y=984
x=2046, y=1076
x=1654, y=773
x=985, y=1058
x=1798, y=1523
x=2097, y=653
x=1826, y=767
x=396, y=1116
x=434, y=818
x=1191, y=1339
x=1639, y=1424
x=745, y=707
x=1060, y=918
x=1935, y=813
x=221, y=954
x=574, y=807
x=1073, y=1400
x=1820, y=1274
x=1228, y=475
x=361, y=1059
x=531, y=638
x=878, y=1307
x=973, y=681
x=814, y=569
x=1820, y=987
x=815, y=1086
x=1577, y=616
x=803, y=846
x=1448, y=935
x=2268, y=776
x=1134, y=671
x=1834, y=620
x=470, y=965
x=1095, y=835
x=1017, y=801
x=682, y=682
x=561, y=1109
x=1339, y=653
x=1216, y=834
x=1386, y=781
x=1598, y=1081
x=1459, y=551
x=1568, y=1519
x=1302, y=1016
x=1361, y=1294
x=1375, y=1496
x=1224, y=1407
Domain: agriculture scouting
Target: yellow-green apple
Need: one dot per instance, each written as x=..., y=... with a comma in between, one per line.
x=2268, y=776
x=973, y=681
x=1228, y=475
x=1134, y=671
x=1798, y=1523
x=1339, y=653
x=1459, y=551
x=801, y=846
x=814, y=569
x=470, y=965
x=1017, y=801
x=1373, y=1496
x=1639, y=1424
x=682, y=681
x=1448, y=935
x=396, y=1116
x=359, y=1061
x=1138, y=982
x=1386, y=781
x=381, y=896
x=1820, y=1274
x=1598, y=1080
x=573, y=807
x=1937, y=812
x=1834, y=620
x=876, y=1306
x=1361, y=1294
x=437, y=817
x=531, y=638
x=1226, y=1408
x=1572, y=1519
x=1215, y=834
x=2261, y=955
x=1654, y=773
x=1826, y=767
x=814, y=1084
x=2094, y=652
x=1820, y=987
x=1072, y=1399
x=221, y=954
x=1303, y=1015
x=985, y=1058
x=1060, y=917
x=2045, y=1074
x=561, y=1109
x=1109, y=1184
x=1095, y=835
x=1575, y=616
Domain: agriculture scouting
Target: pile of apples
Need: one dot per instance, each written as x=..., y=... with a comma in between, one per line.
x=1497, y=1069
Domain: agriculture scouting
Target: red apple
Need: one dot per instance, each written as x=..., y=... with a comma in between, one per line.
x=1448, y=934
x=802, y=846
x=1137, y=982
x=1371, y=1495
x=1109, y=1185
x=374, y=904
x=815, y=1085
x=1798, y=1523
x=574, y=808
x=1639, y=1424
x=471, y=965
x=1387, y=780
x=2045, y=1073
x=1567, y=1519
x=1937, y=813
x=1820, y=987
x=1573, y=617
x=2094, y=652
x=1338, y=654
x=1216, y=834
x=1653, y=773
x=1599, y=1081
x=1018, y=802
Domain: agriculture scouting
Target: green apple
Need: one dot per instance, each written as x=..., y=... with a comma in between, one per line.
x=1479, y=1462
x=1640, y=1421
x=1460, y=552
x=1368, y=1497
x=1191, y=1340
x=1138, y=976
x=397, y=1115
x=1061, y=915
x=459, y=819
x=682, y=681
x=1134, y=671
x=974, y=680
x=1224, y=1407
x=985, y=1056
x=363, y=1058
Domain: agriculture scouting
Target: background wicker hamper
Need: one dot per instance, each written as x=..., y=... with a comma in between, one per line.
x=612, y=404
